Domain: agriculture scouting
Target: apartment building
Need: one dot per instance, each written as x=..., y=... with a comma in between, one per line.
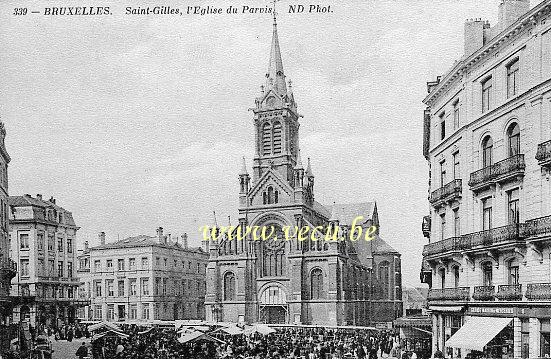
x=8, y=267
x=143, y=278
x=487, y=139
x=43, y=244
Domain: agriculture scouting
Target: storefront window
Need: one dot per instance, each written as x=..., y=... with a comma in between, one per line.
x=544, y=338
x=502, y=345
x=524, y=338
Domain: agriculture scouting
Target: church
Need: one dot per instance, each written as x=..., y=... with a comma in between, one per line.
x=306, y=282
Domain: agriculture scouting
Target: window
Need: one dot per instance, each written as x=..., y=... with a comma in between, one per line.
x=97, y=288
x=456, y=172
x=98, y=312
x=486, y=94
x=110, y=312
x=229, y=286
x=165, y=281
x=24, y=267
x=145, y=263
x=544, y=338
x=133, y=311
x=165, y=262
x=487, y=214
x=513, y=207
x=69, y=269
x=120, y=265
x=277, y=137
x=97, y=266
x=316, y=284
x=513, y=135
x=270, y=195
x=266, y=138
x=109, y=265
x=456, y=115
x=157, y=288
x=133, y=290
x=145, y=286
x=442, y=272
x=513, y=275
x=110, y=288
x=24, y=240
x=40, y=241
x=512, y=78
x=60, y=244
x=456, y=223
x=69, y=245
x=442, y=173
x=487, y=149
x=157, y=261
x=145, y=311
x=487, y=274
x=61, y=291
x=132, y=264
x=40, y=266
x=456, y=276
x=384, y=279
x=51, y=265
x=60, y=268
x=70, y=292
x=442, y=226
x=120, y=288
x=51, y=242
x=442, y=126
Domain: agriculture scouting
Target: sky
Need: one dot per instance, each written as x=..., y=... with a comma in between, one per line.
x=134, y=122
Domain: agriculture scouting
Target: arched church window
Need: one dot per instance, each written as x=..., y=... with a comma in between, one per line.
x=229, y=286
x=270, y=195
x=276, y=197
x=264, y=198
x=384, y=279
x=316, y=284
x=266, y=139
x=277, y=137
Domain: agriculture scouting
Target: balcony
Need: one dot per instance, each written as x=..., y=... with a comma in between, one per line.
x=448, y=193
x=459, y=293
x=536, y=227
x=509, y=292
x=511, y=168
x=544, y=154
x=498, y=235
x=8, y=269
x=538, y=291
x=484, y=292
x=443, y=246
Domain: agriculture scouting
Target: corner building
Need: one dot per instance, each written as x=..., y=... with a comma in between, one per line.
x=487, y=139
x=303, y=282
x=8, y=268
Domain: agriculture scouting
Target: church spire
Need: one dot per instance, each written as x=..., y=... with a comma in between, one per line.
x=275, y=76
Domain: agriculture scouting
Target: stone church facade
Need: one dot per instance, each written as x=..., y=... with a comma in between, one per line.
x=290, y=281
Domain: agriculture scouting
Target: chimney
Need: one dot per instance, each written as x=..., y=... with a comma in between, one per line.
x=474, y=35
x=85, y=245
x=510, y=11
x=184, y=240
x=160, y=234
x=169, y=238
x=39, y=196
x=101, y=237
x=52, y=199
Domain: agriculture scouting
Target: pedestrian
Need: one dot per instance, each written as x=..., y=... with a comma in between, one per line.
x=82, y=351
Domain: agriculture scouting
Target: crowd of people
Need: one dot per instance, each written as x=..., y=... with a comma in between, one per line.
x=307, y=343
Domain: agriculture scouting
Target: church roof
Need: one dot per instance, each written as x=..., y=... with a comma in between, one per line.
x=382, y=247
x=346, y=213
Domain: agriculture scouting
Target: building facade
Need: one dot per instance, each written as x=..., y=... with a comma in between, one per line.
x=487, y=139
x=7, y=265
x=143, y=278
x=43, y=244
x=291, y=281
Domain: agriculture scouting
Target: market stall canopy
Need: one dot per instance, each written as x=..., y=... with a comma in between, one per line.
x=477, y=332
x=231, y=330
x=104, y=325
x=109, y=333
x=197, y=336
x=258, y=328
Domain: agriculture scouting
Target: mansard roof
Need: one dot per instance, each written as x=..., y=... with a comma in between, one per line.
x=27, y=200
x=143, y=240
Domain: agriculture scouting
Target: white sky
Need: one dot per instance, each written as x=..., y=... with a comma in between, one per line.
x=135, y=122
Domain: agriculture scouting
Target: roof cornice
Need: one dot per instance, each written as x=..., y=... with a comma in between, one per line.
x=530, y=18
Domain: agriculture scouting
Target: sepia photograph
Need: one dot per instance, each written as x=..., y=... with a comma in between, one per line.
x=275, y=179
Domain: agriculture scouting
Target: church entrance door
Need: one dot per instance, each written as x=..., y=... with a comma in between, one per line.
x=273, y=315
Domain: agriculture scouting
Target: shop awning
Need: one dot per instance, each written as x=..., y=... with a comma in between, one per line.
x=477, y=332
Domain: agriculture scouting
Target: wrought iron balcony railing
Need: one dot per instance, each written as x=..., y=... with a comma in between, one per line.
x=544, y=154
x=459, y=293
x=448, y=192
x=509, y=292
x=443, y=246
x=536, y=227
x=498, y=172
x=484, y=292
x=538, y=291
x=493, y=236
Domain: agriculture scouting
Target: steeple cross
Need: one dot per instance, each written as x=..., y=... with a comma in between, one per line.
x=274, y=9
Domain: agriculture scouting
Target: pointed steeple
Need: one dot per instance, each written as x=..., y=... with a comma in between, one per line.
x=299, y=162
x=275, y=76
x=244, y=168
x=309, y=169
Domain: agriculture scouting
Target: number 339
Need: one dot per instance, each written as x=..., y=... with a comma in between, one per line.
x=20, y=11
